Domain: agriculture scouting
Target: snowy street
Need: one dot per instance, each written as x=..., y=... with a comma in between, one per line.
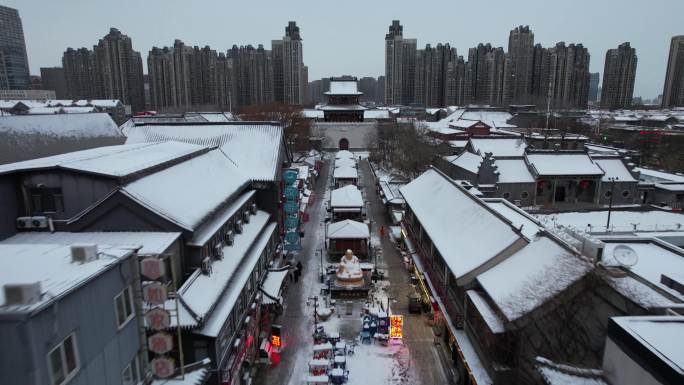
x=416, y=361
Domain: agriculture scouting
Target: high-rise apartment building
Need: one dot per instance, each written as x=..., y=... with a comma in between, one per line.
x=484, y=75
x=14, y=68
x=53, y=79
x=119, y=70
x=594, y=79
x=253, y=75
x=369, y=86
x=112, y=70
x=400, y=66
x=432, y=67
x=519, y=66
x=79, y=73
x=673, y=92
x=456, y=82
x=288, y=64
x=618, y=77
x=569, y=75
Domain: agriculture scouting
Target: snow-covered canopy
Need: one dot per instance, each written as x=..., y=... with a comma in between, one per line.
x=499, y=146
x=445, y=209
x=563, y=164
x=345, y=162
x=648, y=175
x=347, y=196
x=151, y=242
x=112, y=161
x=348, y=229
x=256, y=148
x=188, y=192
x=271, y=286
x=344, y=154
x=345, y=172
x=560, y=374
x=51, y=266
x=376, y=114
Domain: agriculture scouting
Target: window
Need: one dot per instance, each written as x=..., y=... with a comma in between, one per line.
x=63, y=361
x=131, y=373
x=608, y=194
x=506, y=195
x=626, y=194
x=524, y=195
x=124, y=307
x=46, y=200
x=201, y=349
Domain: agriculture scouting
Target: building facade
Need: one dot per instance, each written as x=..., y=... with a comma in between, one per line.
x=520, y=61
x=14, y=68
x=400, y=66
x=673, y=92
x=288, y=65
x=594, y=78
x=618, y=77
x=53, y=79
x=79, y=73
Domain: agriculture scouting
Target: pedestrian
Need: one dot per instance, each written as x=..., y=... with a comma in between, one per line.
x=299, y=266
x=291, y=274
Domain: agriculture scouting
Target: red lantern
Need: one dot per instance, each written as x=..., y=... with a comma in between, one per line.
x=584, y=184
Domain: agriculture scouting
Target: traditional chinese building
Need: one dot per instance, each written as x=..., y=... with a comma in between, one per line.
x=343, y=101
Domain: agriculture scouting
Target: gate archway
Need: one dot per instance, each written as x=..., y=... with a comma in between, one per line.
x=344, y=144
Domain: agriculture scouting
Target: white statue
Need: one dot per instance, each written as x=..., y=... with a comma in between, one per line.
x=349, y=270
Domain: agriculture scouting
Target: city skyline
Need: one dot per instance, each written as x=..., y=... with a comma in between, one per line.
x=49, y=30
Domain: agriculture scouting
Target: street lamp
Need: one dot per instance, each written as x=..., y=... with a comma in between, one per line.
x=610, y=201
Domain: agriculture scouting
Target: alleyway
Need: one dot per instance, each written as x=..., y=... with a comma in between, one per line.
x=416, y=363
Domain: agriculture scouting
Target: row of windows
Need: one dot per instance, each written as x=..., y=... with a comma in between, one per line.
x=221, y=237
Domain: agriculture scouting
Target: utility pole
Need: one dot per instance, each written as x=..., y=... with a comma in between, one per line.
x=315, y=312
x=610, y=202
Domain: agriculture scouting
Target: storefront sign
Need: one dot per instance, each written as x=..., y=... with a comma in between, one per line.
x=290, y=176
x=291, y=207
x=158, y=319
x=155, y=293
x=291, y=222
x=396, y=323
x=291, y=193
x=160, y=343
x=163, y=367
x=152, y=268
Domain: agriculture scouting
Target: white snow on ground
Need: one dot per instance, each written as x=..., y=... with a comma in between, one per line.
x=619, y=220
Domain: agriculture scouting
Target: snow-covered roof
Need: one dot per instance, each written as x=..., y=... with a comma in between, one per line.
x=112, y=161
x=495, y=119
x=50, y=265
x=619, y=220
x=467, y=161
x=348, y=229
x=343, y=107
x=661, y=336
x=44, y=110
x=344, y=154
x=256, y=148
x=445, y=209
x=560, y=374
x=678, y=187
x=458, y=143
x=188, y=192
x=78, y=110
x=643, y=294
x=488, y=314
x=201, y=292
x=553, y=163
x=391, y=192
x=271, y=286
x=499, y=147
x=201, y=235
x=376, y=114
x=648, y=175
x=513, y=171
x=345, y=162
x=315, y=114
x=151, y=242
x=653, y=260
x=345, y=172
x=463, y=123
x=347, y=196
x=343, y=87
x=436, y=128
x=527, y=224
x=614, y=168
x=531, y=276
x=237, y=280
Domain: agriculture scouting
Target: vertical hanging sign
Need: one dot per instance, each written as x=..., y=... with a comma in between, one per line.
x=291, y=208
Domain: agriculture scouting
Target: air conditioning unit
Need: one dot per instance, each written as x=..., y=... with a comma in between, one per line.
x=253, y=208
x=39, y=222
x=218, y=251
x=22, y=294
x=238, y=227
x=230, y=237
x=245, y=216
x=206, y=266
x=24, y=223
x=83, y=253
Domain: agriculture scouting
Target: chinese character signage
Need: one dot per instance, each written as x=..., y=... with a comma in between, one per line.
x=290, y=176
x=276, y=342
x=163, y=367
x=152, y=268
x=160, y=343
x=154, y=293
x=396, y=323
x=158, y=319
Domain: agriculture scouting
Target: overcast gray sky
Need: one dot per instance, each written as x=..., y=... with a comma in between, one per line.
x=347, y=37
